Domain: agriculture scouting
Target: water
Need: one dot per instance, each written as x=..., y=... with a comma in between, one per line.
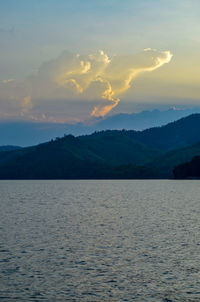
x=100, y=241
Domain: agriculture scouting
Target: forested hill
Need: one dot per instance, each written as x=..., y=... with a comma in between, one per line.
x=113, y=156
x=9, y=148
x=107, y=154
x=165, y=164
x=178, y=134
x=189, y=169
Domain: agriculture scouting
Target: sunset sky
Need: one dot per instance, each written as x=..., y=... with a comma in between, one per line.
x=68, y=60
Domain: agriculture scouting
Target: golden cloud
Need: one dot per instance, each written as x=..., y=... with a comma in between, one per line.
x=85, y=77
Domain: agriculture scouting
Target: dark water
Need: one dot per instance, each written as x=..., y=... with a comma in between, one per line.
x=100, y=241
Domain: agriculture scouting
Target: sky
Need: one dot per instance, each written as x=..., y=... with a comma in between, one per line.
x=65, y=61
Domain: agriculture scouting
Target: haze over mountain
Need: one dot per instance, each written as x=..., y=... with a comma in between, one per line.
x=26, y=133
x=108, y=154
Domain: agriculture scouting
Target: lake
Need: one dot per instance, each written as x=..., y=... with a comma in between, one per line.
x=95, y=240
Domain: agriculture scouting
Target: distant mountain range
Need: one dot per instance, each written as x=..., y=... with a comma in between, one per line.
x=151, y=153
x=32, y=133
x=9, y=148
x=143, y=120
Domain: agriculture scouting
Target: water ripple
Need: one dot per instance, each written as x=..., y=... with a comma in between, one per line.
x=96, y=241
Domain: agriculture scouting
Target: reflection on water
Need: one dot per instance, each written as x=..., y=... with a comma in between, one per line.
x=100, y=241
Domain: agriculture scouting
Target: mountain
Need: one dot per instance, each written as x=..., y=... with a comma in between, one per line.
x=142, y=120
x=165, y=164
x=73, y=158
x=9, y=148
x=117, y=147
x=151, y=153
x=188, y=170
x=32, y=133
x=178, y=134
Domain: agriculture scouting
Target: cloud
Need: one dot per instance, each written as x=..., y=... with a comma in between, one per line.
x=74, y=77
x=26, y=104
x=8, y=81
x=122, y=70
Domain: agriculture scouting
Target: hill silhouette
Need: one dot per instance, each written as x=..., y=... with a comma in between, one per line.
x=151, y=153
x=9, y=148
x=27, y=133
x=188, y=170
x=165, y=164
x=178, y=134
x=67, y=158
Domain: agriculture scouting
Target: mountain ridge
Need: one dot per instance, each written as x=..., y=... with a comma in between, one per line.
x=115, y=154
x=31, y=133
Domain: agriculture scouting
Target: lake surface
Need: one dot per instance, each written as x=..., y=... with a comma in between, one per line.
x=131, y=240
